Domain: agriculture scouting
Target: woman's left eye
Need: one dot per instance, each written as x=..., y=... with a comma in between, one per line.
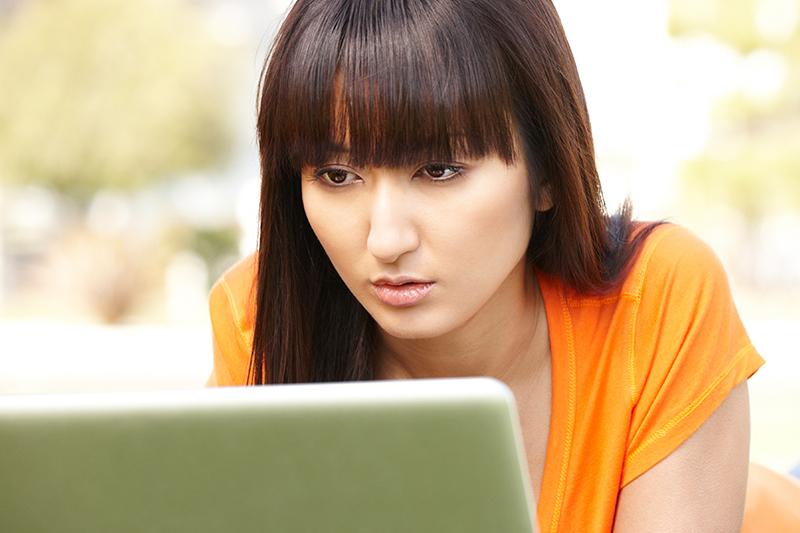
x=438, y=172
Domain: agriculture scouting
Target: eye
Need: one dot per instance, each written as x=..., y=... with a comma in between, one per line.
x=335, y=176
x=439, y=172
x=435, y=172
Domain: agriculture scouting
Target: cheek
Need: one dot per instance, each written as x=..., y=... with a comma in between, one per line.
x=504, y=217
x=484, y=227
x=334, y=228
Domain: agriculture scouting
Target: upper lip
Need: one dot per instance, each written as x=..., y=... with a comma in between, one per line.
x=398, y=280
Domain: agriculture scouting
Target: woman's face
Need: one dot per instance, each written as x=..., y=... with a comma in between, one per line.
x=466, y=234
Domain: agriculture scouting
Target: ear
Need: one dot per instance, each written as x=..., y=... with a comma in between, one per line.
x=545, y=202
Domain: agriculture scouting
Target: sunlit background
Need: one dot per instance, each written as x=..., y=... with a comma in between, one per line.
x=129, y=173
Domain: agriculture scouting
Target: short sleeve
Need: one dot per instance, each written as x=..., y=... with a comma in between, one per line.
x=689, y=347
x=231, y=356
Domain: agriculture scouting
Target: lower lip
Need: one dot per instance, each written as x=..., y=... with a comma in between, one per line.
x=402, y=295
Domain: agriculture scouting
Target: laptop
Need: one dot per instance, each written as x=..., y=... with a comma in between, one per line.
x=424, y=455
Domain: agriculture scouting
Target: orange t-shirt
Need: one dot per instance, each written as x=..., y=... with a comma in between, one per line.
x=634, y=374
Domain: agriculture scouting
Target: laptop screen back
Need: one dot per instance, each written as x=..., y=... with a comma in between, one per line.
x=430, y=455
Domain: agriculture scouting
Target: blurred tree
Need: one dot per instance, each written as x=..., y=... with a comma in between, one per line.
x=217, y=246
x=753, y=159
x=756, y=172
x=99, y=275
x=730, y=21
x=110, y=96
x=109, y=93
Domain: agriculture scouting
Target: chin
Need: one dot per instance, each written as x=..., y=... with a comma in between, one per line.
x=406, y=327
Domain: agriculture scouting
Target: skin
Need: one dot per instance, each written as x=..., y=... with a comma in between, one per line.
x=701, y=485
x=468, y=234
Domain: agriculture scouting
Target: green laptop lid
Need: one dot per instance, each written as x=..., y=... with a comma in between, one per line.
x=427, y=455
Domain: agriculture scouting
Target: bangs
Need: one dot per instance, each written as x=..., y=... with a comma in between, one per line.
x=390, y=84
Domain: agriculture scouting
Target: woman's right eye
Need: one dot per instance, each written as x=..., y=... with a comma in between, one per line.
x=335, y=176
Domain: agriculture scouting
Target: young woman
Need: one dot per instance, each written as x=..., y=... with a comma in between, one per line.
x=430, y=207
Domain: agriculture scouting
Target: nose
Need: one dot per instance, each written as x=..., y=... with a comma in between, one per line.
x=392, y=232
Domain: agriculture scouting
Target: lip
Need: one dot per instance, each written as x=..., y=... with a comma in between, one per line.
x=399, y=280
x=402, y=295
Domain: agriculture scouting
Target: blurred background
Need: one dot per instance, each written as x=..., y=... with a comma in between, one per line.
x=129, y=173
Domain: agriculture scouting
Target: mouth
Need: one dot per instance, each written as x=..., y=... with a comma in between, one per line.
x=403, y=284
x=403, y=294
x=397, y=281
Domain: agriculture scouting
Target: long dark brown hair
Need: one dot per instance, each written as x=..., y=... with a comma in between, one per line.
x=411, y=81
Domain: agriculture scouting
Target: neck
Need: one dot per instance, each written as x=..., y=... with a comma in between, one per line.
x=506, y=339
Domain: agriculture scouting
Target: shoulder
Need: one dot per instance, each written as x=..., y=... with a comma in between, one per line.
x=687, y=349
x=668, y=253
x=681, y=293
x=232, y=311
x=233, y=293
x=672, y=253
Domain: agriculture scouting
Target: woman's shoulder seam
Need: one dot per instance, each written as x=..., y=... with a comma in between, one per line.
x=651, y=245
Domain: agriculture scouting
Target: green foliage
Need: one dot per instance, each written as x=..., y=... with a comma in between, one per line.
x=217, y=246
x=730, y=21
x=109, y=94
x=753, y=161
x=757, y=173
